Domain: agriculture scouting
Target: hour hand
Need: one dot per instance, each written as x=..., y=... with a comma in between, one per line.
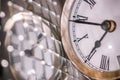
x=97, y=45
x=93, y=51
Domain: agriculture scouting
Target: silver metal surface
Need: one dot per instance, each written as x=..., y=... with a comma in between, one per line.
x=31, y=45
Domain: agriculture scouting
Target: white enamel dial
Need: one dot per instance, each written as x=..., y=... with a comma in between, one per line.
x=83, y=37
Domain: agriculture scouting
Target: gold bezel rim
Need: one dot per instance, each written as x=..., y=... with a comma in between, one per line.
x=71, y=53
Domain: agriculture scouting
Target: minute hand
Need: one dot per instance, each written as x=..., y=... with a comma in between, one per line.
x=84, y=22
x=108, y=25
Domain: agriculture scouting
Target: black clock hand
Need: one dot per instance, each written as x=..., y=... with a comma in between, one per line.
x=97, y=45
x=84, y=22
x=109, y=25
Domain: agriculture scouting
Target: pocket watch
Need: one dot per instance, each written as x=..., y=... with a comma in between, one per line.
x=90, y=35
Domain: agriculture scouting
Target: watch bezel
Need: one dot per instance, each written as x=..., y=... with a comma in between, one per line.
x=95, y=74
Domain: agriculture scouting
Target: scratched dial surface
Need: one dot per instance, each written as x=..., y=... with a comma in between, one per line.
x=84, y=36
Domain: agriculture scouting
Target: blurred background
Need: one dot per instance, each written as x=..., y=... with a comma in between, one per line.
x=30, y=42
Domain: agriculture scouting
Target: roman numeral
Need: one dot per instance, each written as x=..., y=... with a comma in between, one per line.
x=91, y=3
x=105, y=61
x=79, y=39
x=118, y=58
x=81, y=18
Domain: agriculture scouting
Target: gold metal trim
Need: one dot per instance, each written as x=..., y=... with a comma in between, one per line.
x=71, y=53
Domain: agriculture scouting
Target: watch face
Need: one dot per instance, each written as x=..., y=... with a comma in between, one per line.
x=28, y=49
x=92, y=36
